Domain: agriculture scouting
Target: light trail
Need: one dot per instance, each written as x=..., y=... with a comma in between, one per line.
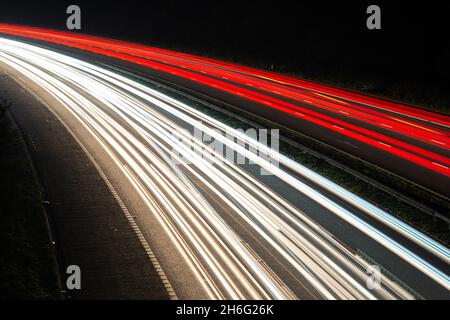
x=145, y=133
x=216, y=68
x=212, y=73
x=167, y=55
x=178, y=62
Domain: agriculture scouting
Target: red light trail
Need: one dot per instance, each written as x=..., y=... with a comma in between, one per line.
x=334, y=109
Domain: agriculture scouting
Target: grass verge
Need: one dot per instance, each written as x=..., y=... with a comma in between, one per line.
x=28, y=266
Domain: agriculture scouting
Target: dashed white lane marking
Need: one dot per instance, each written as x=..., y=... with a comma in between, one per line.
x=154, y=261
x=337, y=127
x=439, y=142
x=151, y=256
x=440, y=165
x=384, y=144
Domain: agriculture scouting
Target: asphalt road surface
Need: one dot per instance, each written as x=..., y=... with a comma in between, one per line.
x=409, y=142
x=90, y=228
x=221, y=229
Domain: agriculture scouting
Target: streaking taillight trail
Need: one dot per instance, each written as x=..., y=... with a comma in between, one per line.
x=243, y=82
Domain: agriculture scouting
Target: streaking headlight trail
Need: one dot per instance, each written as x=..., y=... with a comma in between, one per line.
x=146, y=133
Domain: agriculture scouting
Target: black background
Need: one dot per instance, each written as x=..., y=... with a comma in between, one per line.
x=408, y=59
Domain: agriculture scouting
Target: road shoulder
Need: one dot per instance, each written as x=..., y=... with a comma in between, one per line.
x=90, y=226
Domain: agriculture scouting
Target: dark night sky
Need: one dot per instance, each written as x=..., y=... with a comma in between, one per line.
x=322, y=39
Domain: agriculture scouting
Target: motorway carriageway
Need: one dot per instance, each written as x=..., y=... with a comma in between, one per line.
x=411, y=142
x=140, y=129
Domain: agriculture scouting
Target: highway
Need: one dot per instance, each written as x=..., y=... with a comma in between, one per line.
x=409, y=142
x=206, y=204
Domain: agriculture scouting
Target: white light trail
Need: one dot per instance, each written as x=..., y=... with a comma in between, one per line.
x=139, y=128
